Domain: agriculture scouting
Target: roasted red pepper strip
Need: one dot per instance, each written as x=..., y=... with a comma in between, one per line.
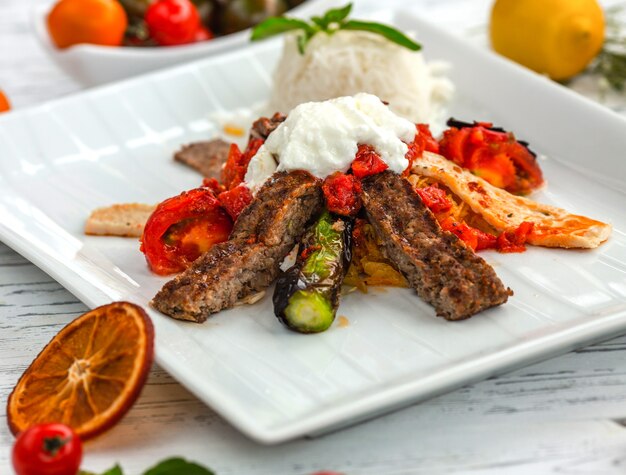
x=182, y=228
x=494, y=155
x=342, y=194
x=367, y=162
x=235, y=200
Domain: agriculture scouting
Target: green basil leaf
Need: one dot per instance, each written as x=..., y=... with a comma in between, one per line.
x=388, y=32
x=117, y=470
x=336, y=15
x=178, y=466
x=277, y=25
x=319, y=21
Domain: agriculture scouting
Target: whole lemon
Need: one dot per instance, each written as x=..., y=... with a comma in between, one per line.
x=554, y=37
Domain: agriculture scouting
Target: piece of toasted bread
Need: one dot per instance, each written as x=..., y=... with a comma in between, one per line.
x=554, y=227
x=126, y=220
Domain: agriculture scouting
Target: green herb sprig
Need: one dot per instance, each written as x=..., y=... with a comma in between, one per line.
x=333, y=20
x=171, y=466
x=611, y=61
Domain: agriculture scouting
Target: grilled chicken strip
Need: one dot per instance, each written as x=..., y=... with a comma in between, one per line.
x=443, y=271
x=249, y=261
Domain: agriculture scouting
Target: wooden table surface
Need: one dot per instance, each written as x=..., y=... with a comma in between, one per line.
x=559, y=416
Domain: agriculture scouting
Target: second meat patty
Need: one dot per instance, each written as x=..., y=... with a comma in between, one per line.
x=443, y=271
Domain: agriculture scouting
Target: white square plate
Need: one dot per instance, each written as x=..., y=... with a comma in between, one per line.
x=114, y=144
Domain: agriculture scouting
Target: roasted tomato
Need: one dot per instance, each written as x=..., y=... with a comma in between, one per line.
x=434, y=198
x=235, y=200
x=492, y=154
x=367, y=162
x=236, y=166
x=515, y=240
x=47, y=449
x=341, y=192
x=424, y=141
x=182, y=228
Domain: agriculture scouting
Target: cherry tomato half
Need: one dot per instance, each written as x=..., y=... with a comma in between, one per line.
x=100, y=22
x=47, y=449
x=173, y=22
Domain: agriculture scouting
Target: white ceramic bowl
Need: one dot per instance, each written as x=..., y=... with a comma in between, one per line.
x=92, y=64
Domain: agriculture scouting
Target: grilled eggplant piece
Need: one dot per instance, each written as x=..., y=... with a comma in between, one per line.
x=306, y=297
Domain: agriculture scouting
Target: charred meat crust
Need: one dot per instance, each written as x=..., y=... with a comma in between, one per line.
x=207, y=157
x=249, y=261
x=263, y=127
x=444, y=272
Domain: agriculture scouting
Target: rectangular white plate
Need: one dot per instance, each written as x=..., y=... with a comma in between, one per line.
x=114, y=144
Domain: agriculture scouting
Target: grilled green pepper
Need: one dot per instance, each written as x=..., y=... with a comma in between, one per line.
x=306, y=296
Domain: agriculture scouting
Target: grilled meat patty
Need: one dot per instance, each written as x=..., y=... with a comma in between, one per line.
x=444, y=272
x=249, y=261
x=206, y=157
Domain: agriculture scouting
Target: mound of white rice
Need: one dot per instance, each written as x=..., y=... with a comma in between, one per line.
x=349, y=62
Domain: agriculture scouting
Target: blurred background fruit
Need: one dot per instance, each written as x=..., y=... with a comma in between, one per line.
x=558, y=38
x=5, y=105
x=100, y=22
x=173, y=22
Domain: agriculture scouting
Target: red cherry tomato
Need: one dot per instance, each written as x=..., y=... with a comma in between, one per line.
x=203, y=34
x=47, y=449
x=173, y=22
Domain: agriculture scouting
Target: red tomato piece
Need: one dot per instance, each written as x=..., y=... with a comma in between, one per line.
x=423, y=141
x=235, y=200
x=484, y=240
x=342, y=194
x=236, y=166
x=367, y=162
x=203, y=34
x=494, y=155
x=182, y=228
x=464, y=232
x=47, y=449
x=173, y=22
x=515, y=240
x=434, y=198
x=212, y=184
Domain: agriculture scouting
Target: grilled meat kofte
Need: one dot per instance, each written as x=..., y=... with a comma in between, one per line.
x=249, y=261
x=444, y=272
x=207, y=157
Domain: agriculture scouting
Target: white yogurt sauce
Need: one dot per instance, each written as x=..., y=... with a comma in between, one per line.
x=323, y=137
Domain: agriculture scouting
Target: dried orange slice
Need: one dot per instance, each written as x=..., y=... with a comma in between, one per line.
x=89, y=375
